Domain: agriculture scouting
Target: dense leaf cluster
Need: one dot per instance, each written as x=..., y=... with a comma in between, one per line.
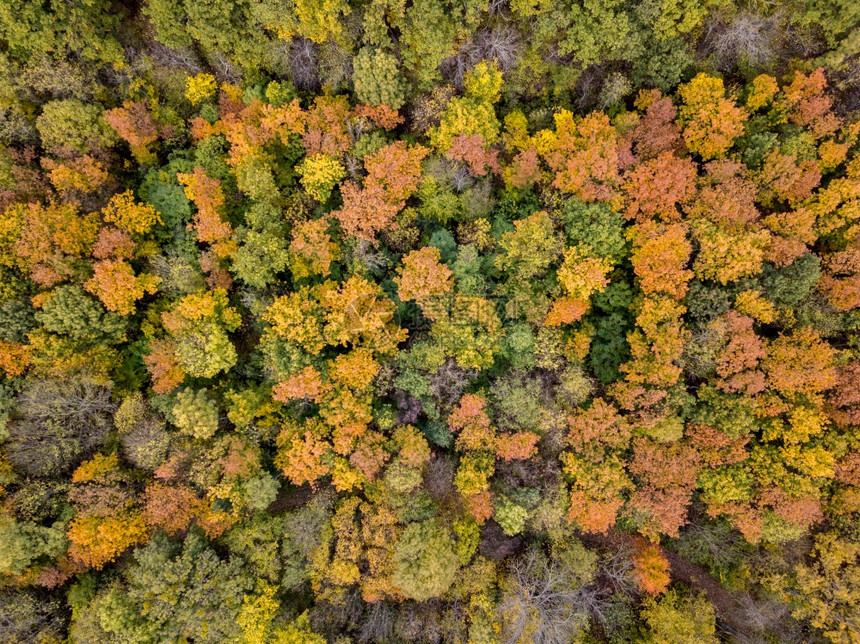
x=480, y=322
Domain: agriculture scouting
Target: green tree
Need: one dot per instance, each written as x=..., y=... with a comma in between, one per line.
x=377, y=78
x=178, y=592
x=678, y=619
x=71, y=311
x=425, y=561
x=74, y=125
x=195, y=413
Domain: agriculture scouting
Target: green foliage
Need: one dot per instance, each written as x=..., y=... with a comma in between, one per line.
x=377, y=78
x=195, y=413
x=679, y=619
x=465, y=283
x=175, y=593
x=510, y=516
x=597, y=226
x=425, y=562
x=73, y=312
x=70, y=123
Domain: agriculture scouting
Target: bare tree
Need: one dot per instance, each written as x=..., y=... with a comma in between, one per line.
x=540, y=603
x=500, y=44
x=746, y=37
x=378, y=623
x=303, y=64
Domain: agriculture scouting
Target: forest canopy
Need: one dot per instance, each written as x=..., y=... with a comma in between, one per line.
x=492, y=322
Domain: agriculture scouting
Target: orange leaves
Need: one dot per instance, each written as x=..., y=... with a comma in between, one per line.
x=422, y=277
x=474, y=152
x=393, y=173
x=163, y=366
x=808, y=106
x=651, y=569
x=524, y=169
x=300, y=453
x=170, y=508
x=517, y=446
x=49, y=238
x=583, y=154
x=312, y=250
x=656, y=131
x=657, y=187
x=365, y=212
x=667, y=477
x=800, y=364
x=580, y=275
x=134, y=123
x=384, y=116
x=782, y=177
x=597, y=489
x=599, y=425
x=325, y=126
x=566, y=310
x=14, y=358
x=470, y=422
x=738, y=362
x=207, y=195
x=306, y=384
x=659, y=259
x=96, y=541
x=116, y=285
x=82, y=174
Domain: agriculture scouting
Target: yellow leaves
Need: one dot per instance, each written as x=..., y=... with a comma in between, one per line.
x=711, y=121
x=355, y=370
x=11, y=225
x=257, y=613
x=298, y=317
x=200, y=88
x=484, y=82
x=319, y=174
x=726, y=256
x=813, y=461
x=97, y=467
x=205, y=306
x=761, y=92
x=831, y=154
x=755, y=305
x=358, y=313
x=320, y=20
x=132, y=217
x=96, y=541
x=582, y=275
x=346, y=478
x=472, y=113
x=516, y=133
